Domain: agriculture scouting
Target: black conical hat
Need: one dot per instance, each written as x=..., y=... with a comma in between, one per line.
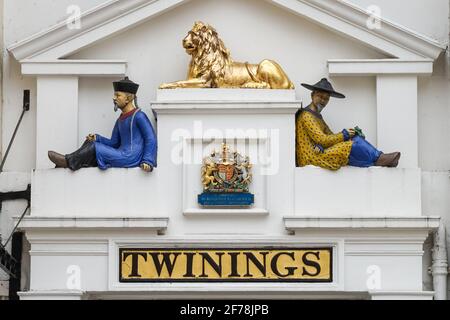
x=126, y=85
x=324, y=85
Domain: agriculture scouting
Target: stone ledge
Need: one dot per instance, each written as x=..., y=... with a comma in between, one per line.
x=357, y=192
x=85, y=68
x=231, y=288
x=256, y=212
x=226, y=107
x=371, y=67
x=52, y=295
x=401, y=295
x=28, y=223
x=243, y=294
x=296, y=223
x=93, y=193
x=235, y=101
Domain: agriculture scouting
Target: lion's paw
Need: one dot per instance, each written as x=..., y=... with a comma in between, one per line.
x=256, y=85
x=167, y=86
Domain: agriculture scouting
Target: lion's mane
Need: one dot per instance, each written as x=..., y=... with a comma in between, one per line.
x=212, y=57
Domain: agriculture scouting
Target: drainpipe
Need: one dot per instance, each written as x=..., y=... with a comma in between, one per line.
x=448, y=44
x=439, y=267
x=1, y=72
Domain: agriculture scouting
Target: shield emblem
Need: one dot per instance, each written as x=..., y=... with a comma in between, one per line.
x=226, y=172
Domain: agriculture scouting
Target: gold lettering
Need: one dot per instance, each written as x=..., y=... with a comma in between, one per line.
x=203, y=265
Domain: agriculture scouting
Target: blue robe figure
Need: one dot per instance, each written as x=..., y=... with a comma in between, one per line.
x=133, y=142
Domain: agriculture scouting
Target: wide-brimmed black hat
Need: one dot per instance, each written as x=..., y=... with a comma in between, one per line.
x=126, y=85
x=324, y=85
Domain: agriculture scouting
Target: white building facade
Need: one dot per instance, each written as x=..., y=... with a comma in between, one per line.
x=380, y=224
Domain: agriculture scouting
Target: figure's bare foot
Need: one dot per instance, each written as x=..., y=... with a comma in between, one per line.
x=58, y=159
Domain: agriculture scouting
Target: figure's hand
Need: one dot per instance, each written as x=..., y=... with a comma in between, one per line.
x=146, y=167
x=318, y=149
x=91, y=137
x=352, y=132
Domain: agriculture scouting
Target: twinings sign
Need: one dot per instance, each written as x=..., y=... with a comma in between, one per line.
x=226, y=265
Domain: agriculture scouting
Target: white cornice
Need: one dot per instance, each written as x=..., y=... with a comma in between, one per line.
x=116, y=16
x=84, y=68
x=105, y=20
x=223, y=101
x=379, y=66
x=71, y=223
x=225, y=107
x=51, y=295
x=351, y=21
x=408, y=223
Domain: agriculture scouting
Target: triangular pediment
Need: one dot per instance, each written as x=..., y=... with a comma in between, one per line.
x=117, y=16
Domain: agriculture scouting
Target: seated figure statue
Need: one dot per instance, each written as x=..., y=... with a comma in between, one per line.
x=133, y=142
x=317, y=145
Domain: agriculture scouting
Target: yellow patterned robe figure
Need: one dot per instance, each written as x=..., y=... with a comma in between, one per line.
x=312, y=131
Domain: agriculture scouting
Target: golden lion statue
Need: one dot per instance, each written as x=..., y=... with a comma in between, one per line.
x=212, y=67
x=208, y=175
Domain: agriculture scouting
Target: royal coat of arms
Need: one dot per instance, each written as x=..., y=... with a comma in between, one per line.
x=226, y=177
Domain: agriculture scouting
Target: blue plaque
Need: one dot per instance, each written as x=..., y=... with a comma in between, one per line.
x=226, y=199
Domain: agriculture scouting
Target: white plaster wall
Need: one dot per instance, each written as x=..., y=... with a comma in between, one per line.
x=434, y=120
x=358, y=109
x=10, y=182
x=358, y=192
x=436, y=202
x=21, y=21
x=429, y=17
x=157, y=58
x=24, y=17
x=22, y=154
